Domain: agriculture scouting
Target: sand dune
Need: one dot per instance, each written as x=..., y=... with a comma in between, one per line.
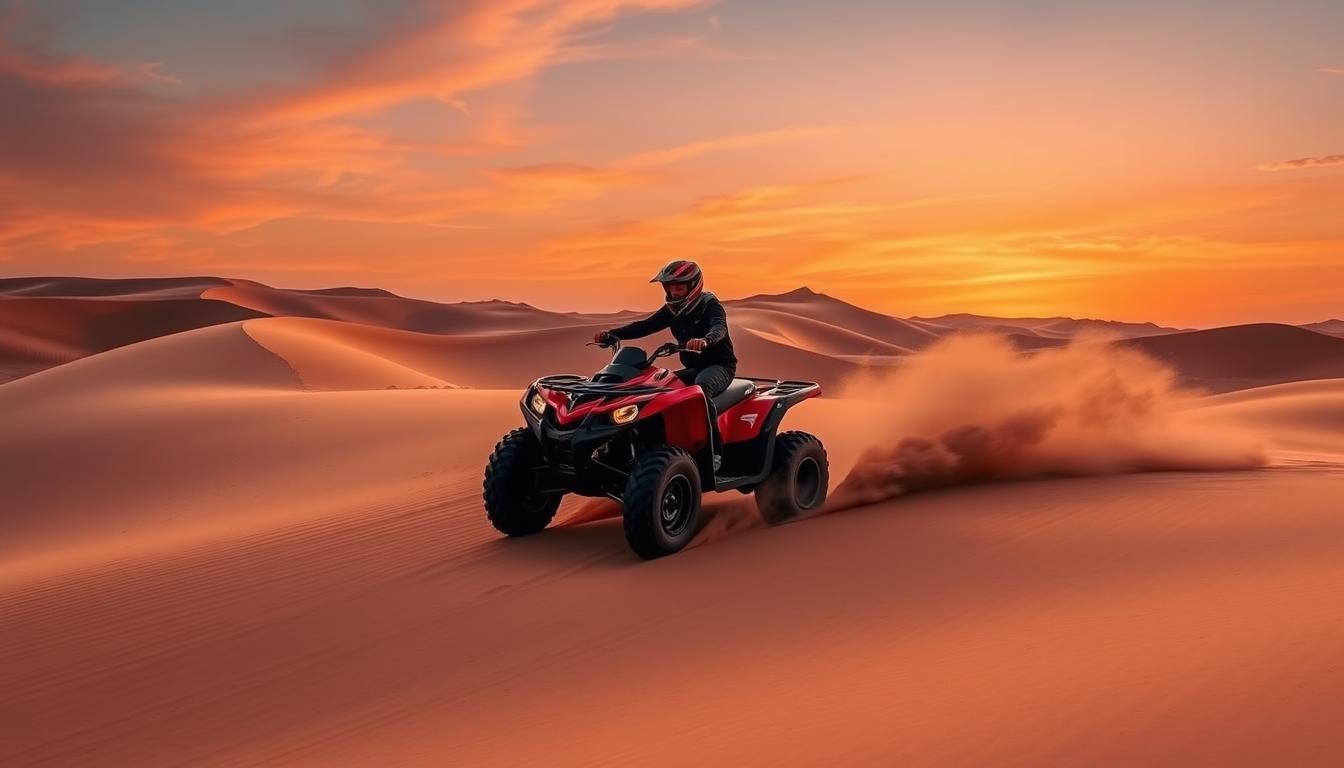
x=207, y=424
x=327, y=359
x=1242, y=356
x=497, y=360
x=379, y=308
x=1027, y=342
x=1303, y=416
x=1332, y=327
x=1049, y=327
x=806, y=303
x=37, y=333
x=804, y=332
x=221, y=356
x=376, y=293
x=22, y=354
x=976, y=324
x=494, y=360
x=208, y=565
x=125, y=288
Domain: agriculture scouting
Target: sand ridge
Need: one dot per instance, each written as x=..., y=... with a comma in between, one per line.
x=51, y=321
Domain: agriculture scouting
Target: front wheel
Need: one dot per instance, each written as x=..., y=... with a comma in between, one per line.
x=662, y=502
x=797, y=482
x=512, y=499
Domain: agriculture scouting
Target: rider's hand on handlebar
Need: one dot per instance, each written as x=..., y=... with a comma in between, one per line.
x=696, y=345
x=602, y=337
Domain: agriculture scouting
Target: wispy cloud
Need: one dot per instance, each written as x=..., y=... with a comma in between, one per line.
x=780, y=222
x=22, y=56
x=446, y=50
x=28, y=62
x=1303, y=162
x=757, y=198
x=151, y=71
x=676, y=154
x=1331, y=70
x=537, y=185
x=696, y=47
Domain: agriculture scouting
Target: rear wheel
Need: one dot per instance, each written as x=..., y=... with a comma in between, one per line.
x=798, y=480
x=662, y=502
x=512, y=499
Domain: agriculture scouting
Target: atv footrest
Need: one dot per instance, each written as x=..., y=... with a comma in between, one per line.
x=729, y=482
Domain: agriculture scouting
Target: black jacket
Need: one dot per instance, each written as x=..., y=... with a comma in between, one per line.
x=707, y=320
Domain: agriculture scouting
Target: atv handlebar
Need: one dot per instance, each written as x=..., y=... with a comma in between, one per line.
x=666, y=349
x=663, y=350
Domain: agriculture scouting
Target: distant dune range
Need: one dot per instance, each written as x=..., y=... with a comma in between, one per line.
x=374, y=339
x=243, y=525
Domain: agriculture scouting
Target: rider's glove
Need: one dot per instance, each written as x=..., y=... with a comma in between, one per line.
x=603, y=337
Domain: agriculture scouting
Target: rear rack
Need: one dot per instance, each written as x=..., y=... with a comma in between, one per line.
x=779, y=387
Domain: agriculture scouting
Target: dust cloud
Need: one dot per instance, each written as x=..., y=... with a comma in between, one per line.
x=974, y=409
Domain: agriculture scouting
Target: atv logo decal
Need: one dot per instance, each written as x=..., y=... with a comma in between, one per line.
x=750, y=418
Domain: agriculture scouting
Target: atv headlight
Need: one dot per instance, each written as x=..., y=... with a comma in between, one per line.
x=625, y=414
x=537, y=403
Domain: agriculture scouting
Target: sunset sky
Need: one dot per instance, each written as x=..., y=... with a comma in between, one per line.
x=1181, y=162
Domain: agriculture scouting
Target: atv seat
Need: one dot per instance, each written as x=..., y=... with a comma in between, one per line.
x=736, y=392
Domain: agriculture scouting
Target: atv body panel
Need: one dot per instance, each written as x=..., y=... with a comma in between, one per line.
x=589, y=454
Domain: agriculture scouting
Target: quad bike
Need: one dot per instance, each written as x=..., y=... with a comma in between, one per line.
x=637, y=434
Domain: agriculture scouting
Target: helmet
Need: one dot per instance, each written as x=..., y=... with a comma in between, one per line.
x=681, y=271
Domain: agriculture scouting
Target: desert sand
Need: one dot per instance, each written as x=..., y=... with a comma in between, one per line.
x=260, y=541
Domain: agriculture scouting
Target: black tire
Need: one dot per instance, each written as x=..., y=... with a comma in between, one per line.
x=798, y=479
x=662, y=502
x=511, y=500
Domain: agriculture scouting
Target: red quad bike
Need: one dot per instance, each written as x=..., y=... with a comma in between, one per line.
x=637, y=434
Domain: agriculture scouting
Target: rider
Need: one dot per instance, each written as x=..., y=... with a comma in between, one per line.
x=699, y=324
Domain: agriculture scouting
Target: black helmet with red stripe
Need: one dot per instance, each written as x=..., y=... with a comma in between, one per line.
x=681, y=272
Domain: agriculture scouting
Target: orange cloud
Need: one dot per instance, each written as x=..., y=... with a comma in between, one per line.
x=233, y=164
x=537, y=186
x=446, y=51
x=1303, y=162
x=671, y=155
x=246, y=159
x=755, y=198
